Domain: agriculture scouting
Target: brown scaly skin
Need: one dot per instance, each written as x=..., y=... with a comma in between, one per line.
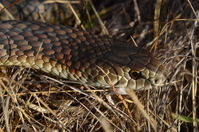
x=36, y=10
x=77, y=55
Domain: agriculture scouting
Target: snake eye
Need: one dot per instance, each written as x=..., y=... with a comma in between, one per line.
x=135, y=75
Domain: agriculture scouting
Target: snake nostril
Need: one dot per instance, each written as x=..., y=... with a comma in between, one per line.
x=135, y=75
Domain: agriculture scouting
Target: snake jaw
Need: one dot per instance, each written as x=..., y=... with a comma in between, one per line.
x=144, y=83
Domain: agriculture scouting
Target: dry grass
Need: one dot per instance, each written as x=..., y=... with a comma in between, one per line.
x=30, y=101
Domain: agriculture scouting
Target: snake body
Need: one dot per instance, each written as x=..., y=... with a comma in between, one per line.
x=36, y=10
x=77, y=55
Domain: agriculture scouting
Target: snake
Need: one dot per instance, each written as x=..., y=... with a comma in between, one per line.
x=36, y=10
x=81, y=56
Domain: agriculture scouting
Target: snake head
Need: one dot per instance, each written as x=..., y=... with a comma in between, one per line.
x=134, y=68
x=150, y=77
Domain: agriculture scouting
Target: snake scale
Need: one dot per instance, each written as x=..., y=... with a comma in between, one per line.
x=77, y=55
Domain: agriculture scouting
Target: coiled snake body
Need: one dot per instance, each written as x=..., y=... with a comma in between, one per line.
x=77, y=55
